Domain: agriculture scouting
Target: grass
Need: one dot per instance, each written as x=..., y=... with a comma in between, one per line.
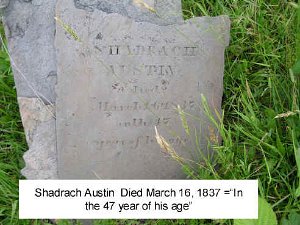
x=12, y=144
x=260, y=127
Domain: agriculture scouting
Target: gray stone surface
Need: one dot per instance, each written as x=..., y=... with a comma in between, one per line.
x=30, y=31
x=39, y=124
x=4, y=3
x=126, y=77
x=154, y=11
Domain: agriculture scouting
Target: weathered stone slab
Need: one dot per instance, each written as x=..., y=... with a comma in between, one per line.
x=4, y=3
x=30, y=31
x=39, y=125
x=121, y=80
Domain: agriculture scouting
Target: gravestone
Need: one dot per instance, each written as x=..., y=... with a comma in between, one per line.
x=119, y=77
x=30, y=31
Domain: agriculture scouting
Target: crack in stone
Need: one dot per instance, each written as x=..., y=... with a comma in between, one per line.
x=105, y=6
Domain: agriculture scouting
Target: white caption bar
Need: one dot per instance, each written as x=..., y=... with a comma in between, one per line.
x=138, y=199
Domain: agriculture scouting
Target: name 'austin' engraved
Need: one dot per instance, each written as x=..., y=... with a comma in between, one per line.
x=148, y=70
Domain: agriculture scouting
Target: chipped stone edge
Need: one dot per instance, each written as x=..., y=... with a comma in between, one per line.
x=39, y=124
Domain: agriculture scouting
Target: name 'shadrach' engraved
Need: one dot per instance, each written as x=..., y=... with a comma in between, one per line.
x=142, y=50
